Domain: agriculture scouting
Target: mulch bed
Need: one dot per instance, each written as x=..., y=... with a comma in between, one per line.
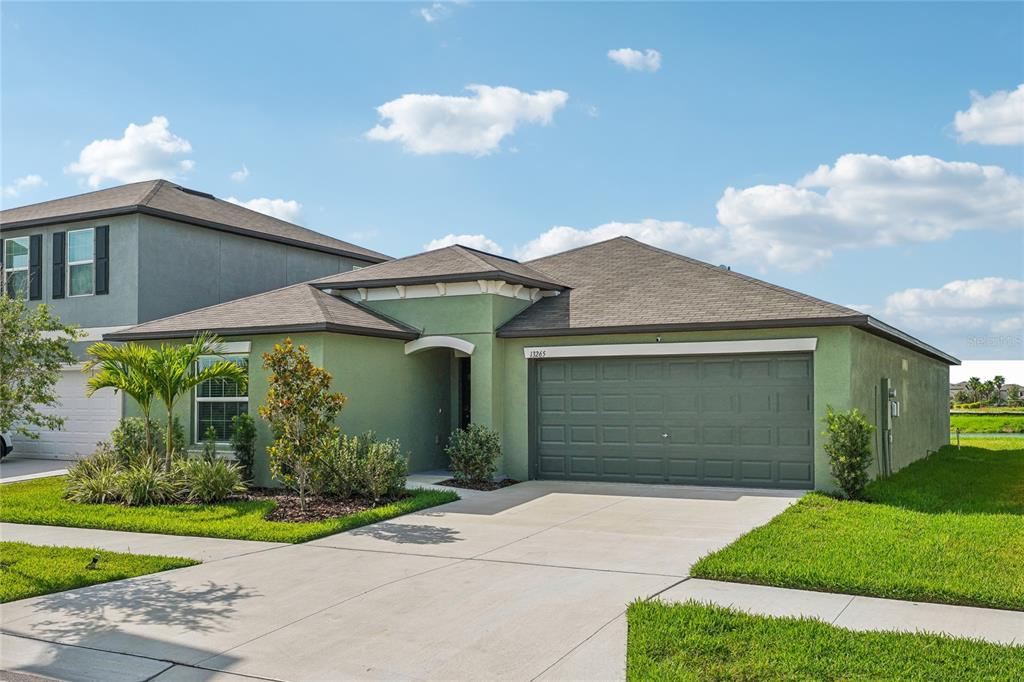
x=317, y=508
x=490, y=485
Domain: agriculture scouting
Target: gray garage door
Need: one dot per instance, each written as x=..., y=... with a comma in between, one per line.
x=711, y=420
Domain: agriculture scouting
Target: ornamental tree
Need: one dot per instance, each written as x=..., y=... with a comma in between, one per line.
x=301, y=410
x=34, y=346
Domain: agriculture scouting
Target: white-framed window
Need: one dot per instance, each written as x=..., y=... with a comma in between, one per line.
x=16, y=250
x=81, y=262
x=219, y=400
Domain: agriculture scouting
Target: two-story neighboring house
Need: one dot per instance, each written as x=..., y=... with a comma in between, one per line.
x=117, y=257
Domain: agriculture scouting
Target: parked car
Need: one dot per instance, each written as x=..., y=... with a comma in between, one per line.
x=6, y=444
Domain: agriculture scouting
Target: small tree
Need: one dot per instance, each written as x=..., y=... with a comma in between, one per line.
x=173, y=372
x=243, y=440
x=301, y=410
x=849, y=449
x=1013, y=395
x=124, y=368
x=34, y=346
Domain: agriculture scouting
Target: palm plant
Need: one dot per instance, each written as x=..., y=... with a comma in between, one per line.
x=123, y=368
x=173, y=372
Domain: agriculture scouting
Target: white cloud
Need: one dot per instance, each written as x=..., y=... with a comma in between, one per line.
x=144, y=152
x=593, y=111
x=995, y=119
x=697, y=242
x=474, y=241
x=635, y=60
x=285, y=209
x=241, y=175
x=434, y=12
x=868, y=200
x=988, y=303
x=1008, y=325
x=23, y=183
x=438, y=124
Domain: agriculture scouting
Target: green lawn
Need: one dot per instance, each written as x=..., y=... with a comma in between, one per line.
x=40, y=501
x=699, y=642
x=30, y=570
x=987, y=423
x=948, y=528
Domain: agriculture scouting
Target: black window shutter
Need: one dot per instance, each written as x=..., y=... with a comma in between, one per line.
x=3, y=263
x=35, y=267
x=57, y=289
x=103, y=259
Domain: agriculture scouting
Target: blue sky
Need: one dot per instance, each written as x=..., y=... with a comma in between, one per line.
x=753, y=97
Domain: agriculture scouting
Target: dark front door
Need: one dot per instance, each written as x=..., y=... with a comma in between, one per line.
x=465, y=416
x=727, y=420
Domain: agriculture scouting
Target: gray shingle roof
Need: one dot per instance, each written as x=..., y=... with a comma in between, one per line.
x=168, y=200
x=624, y=283
x=448, y=264
x=291, y=309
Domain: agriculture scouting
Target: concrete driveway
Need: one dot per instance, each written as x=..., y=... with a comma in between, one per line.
x=523, y=583
x=14, y=468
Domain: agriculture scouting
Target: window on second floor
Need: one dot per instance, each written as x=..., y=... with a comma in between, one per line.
x=81, y=262
x=16, y=252
x=219, y=400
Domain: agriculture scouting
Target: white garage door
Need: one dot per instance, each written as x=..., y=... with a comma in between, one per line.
x=86, y=421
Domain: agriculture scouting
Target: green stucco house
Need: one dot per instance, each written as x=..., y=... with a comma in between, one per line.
x=616, y=361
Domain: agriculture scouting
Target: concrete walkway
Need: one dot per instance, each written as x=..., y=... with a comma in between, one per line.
x=201, y=549
x=857, y=613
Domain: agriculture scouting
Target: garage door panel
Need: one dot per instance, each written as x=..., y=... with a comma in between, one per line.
x=729, y=420
x=87, y=421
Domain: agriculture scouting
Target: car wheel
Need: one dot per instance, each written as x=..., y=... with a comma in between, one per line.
x=3, y=448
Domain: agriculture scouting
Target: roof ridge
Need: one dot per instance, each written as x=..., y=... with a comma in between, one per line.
x=157, y=186
x=472, y=257
x=319, y=294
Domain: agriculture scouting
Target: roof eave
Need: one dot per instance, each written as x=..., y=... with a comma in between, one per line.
x=865, y=322
x=129, y=335
x=191, y=220
x=431, y=279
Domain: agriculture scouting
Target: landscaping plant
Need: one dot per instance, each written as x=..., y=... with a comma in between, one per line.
x=35, y=346
x=124, y=368
x=364, y=466
x=849, y=449
x=473, y=453
x=210, y=444
x=205, y=481
x=243, y=440
x=301, y=409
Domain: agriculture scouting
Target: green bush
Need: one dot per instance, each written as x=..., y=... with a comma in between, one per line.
x=210, y=444
x=129, y=438
x=93, y=480
x=362, y=466
x=849, y=449
x=147, y=483
x=473, y=453
x=243, y=440
x=207, y=481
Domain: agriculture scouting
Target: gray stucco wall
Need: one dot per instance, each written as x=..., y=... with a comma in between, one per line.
x=184, y=267
x=119, y=307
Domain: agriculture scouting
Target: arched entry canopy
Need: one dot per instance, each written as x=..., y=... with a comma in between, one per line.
x=427, y=342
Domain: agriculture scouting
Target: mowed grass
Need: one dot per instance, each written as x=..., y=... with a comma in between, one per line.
x=987, y=423
x=948, y=529
x=41, y=502
x=31, y=570
x=700, y=642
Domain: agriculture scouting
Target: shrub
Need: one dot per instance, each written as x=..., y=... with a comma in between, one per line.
x=93, y=480
x=301, y=410
x=147, y=483
x=129, y=438
x=473, y=453
x=207, y=481
x=849, y=449
x=364, y=466
x=210, y=444
x=243, y=440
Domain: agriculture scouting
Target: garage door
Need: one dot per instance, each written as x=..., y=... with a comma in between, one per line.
x=87, y=421
x=737, y=420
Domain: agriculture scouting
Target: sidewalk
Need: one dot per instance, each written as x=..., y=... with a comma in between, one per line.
x=856, y=613
x=201, y=549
